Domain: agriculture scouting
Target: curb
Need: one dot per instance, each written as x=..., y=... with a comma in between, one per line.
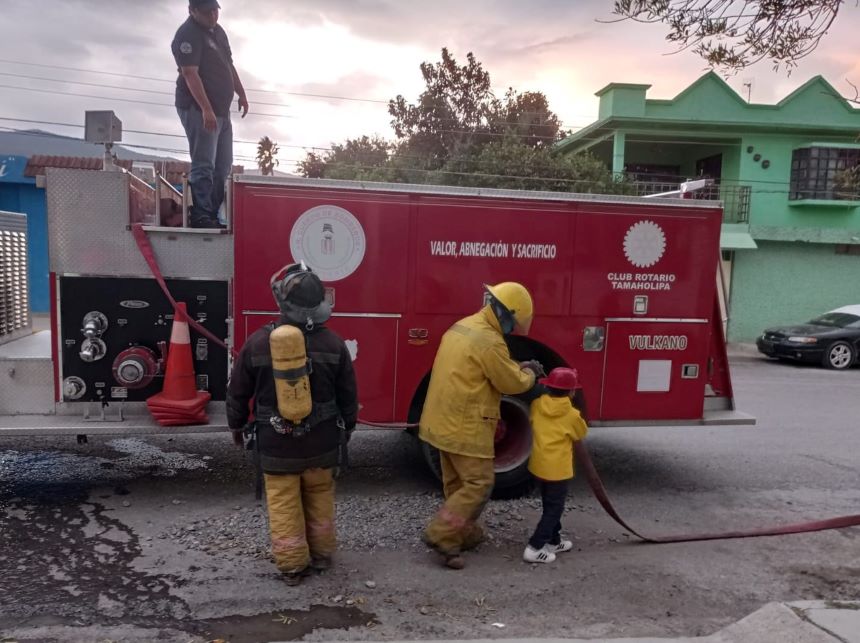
x=744, y=352
x=796, y=622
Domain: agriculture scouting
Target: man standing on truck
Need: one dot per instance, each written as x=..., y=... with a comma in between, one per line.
x=297, y=458
x=472, y=370
x=204, y=92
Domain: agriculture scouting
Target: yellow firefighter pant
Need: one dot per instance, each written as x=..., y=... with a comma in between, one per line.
x=468, y=483
x=301, y=517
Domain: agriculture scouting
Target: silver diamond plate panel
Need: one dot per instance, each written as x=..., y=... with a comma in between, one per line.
x=88, y=232
x=27, y=375
x=26, y=386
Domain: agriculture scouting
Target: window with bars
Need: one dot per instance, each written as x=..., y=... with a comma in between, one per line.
x=825, y=173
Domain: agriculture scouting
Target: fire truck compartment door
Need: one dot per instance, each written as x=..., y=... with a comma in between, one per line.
x=372, y=344
x=654, y=370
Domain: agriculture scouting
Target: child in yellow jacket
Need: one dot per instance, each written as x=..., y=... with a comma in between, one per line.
x=556, y=424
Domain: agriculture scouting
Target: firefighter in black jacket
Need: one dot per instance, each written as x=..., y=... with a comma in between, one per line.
x=297, y=457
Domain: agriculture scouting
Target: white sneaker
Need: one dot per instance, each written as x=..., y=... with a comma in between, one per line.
x=564, y=545
x=532, y=555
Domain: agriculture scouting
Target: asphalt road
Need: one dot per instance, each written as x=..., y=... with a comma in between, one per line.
x=133, y=539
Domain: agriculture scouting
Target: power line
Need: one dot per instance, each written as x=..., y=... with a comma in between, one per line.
x=132, y=145
x=145, y=132
x=540, y=179
x=250, y=113
x=123, y=100
x=329, y=149
x=474, y=161
x=119, y=87
x=255, y=102
x=165, y=80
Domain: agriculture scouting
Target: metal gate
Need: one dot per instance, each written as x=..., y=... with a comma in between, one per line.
x=14, y=295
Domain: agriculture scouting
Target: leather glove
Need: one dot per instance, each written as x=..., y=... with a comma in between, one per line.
x=534, y=366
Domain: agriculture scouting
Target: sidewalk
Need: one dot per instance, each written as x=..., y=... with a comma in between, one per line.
x=799, y=622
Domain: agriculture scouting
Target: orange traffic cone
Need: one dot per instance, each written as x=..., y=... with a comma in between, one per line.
x=179, y=403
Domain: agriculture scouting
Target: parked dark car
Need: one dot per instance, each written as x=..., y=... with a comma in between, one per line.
x=832, y=339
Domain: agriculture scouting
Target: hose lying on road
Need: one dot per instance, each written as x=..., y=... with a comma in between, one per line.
x=585, y=464
x=387, y=425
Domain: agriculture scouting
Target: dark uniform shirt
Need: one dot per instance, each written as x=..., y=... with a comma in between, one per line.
x=332, y=380
x=209, y=51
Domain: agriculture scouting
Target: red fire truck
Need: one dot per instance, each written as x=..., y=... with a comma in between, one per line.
x=625, y=290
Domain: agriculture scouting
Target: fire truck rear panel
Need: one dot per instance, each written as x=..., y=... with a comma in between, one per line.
x=624, y=288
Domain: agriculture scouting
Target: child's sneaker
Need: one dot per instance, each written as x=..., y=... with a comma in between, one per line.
x=562, y=546
x=543, y=555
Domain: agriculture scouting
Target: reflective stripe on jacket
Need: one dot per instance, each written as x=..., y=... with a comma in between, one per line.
x=473, y=369
x=556, y=425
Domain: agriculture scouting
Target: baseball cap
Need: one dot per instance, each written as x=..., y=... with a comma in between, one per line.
x=204, y=4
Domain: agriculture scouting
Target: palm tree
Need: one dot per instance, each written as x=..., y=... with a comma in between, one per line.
x=267, y=151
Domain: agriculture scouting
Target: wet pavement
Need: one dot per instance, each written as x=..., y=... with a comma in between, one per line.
x=161, y=539
x=67, y=563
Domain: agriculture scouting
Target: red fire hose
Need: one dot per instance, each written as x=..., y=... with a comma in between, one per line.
x=148, y=253
x=585, y=464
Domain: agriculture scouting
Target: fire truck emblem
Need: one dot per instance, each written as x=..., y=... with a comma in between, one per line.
x=644, y=244
x=330, y=240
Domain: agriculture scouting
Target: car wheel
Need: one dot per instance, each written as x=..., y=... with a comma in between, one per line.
x=839, y=355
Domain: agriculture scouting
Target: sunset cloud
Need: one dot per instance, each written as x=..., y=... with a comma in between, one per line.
x=367, y=49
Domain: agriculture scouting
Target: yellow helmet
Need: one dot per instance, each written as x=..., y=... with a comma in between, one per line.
x=516, y=302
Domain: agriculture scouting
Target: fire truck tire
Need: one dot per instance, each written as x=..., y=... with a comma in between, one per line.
x=431, y=457
x=513, y=439
x=509, y=484
x=513, y=446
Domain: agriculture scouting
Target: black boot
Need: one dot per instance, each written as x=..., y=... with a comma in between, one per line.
x=197, y=221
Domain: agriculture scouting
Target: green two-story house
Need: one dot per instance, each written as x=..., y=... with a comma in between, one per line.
x=791, y=226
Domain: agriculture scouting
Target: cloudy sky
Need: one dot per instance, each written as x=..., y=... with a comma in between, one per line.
x=358, y=53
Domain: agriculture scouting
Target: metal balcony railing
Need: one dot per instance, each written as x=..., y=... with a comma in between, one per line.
x=735, y=198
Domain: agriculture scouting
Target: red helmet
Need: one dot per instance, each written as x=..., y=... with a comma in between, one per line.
x=564, y=379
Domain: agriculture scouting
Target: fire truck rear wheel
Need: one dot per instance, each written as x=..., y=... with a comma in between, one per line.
x=513, y=446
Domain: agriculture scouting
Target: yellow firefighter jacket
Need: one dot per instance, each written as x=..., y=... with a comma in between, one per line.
x=556, y=425
x=473, y=369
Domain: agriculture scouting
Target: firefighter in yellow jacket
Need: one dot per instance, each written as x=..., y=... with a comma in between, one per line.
x=472, y=370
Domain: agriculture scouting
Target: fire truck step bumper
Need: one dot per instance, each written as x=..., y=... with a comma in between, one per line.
x=73, y=425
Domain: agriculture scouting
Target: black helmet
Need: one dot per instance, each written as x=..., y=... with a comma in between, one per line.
x=300, y=295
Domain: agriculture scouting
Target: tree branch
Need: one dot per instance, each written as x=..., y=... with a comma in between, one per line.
x=733, y=34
